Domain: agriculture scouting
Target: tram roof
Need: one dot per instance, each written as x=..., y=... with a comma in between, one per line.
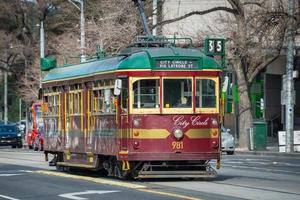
x=132, y=59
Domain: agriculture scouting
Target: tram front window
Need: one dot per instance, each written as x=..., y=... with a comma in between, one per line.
x=146, y=93
x=205, y=93
x=177, y=93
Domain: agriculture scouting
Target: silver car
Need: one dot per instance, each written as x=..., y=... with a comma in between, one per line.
x=228, y=144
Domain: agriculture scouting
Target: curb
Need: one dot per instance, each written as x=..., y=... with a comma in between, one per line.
x=268, y=153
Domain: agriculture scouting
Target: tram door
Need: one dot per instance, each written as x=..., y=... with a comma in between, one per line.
x=66, y=136
x=124, y=116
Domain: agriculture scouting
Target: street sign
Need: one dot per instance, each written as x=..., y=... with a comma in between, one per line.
x=75, y=195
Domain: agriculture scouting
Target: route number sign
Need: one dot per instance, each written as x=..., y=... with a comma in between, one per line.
x=214, y=46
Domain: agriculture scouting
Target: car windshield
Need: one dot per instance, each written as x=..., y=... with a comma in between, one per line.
x=7, y=129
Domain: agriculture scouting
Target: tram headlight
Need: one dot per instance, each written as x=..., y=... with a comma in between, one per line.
x=136, y=122
x=178, y=134
x=214, y=122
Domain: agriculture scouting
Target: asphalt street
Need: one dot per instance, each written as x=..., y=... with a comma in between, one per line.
x=25, y=175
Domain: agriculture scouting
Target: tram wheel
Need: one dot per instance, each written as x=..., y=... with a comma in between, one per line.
x=120, y=173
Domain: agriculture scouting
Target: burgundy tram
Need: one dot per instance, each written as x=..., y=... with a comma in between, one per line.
x=147, y=112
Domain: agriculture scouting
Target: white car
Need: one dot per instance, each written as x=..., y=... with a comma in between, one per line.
x=228, y=144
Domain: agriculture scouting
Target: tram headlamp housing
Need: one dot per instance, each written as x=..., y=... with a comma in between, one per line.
x=214, y=122
x=178, y=134
x=136, y=122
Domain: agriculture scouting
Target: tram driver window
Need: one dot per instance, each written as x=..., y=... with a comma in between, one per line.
x=177, y=93
x=205, y=93
x=146, y=93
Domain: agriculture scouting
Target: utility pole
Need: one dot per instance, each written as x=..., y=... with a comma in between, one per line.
x=289, y=87
x=154, y=17
x=42, y=47
x=42, y=40
x=5, y=93
x=20, y=109
x=82, y=31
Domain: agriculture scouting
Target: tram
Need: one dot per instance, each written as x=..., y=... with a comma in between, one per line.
x=147, y=112
x=151, y=111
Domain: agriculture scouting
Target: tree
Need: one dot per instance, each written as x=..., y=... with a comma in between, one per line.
x=110, y=24
x=255, y=35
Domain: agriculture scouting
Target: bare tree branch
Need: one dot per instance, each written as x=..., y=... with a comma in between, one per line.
x=221, y=8
x=253, y=2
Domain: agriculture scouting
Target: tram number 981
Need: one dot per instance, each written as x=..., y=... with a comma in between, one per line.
x=177, y=145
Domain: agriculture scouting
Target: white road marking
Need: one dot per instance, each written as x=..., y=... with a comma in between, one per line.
x=10, y=174
x=7, y=197
x=259, y=168
x=28, y=171
x=75, y=194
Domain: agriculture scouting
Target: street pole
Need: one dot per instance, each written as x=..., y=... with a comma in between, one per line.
x=20, y=109
x=290, y=93
x=82, y=31
x=154, y=22
x=42, y=40
x=82, y=34
x=42, y=47
x=5, y=95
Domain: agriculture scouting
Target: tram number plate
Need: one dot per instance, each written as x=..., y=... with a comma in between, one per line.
x=177, y=145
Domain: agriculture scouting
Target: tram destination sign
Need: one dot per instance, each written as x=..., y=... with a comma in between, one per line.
x=176, y=64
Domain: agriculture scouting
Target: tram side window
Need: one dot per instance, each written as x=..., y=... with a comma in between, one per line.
x=75, y=103
x=146, y=93
x=98, y=101
x=103, y=101
x=53, y=104
x=177, y=93
x=205, y=93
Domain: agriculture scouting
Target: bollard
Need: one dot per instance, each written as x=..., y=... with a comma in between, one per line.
x=250, y=139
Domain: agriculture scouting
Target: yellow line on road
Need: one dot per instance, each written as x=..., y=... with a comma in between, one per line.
x=95, y=180
x=137, y=187
x=169, y=194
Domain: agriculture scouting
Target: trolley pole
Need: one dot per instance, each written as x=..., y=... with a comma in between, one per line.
x=289, y=87
x=140, y=5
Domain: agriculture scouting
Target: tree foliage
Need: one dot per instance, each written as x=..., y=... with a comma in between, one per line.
x=109, y=24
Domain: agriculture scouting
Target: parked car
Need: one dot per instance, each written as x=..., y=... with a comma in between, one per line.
x=10, y=136
x=228, y=143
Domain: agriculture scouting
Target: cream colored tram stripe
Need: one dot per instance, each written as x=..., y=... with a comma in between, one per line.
x=138, y=187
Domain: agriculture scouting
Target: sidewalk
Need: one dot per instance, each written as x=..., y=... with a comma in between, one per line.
x=270, y=151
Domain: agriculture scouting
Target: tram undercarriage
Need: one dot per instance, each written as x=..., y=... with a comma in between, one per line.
x=136, y=169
